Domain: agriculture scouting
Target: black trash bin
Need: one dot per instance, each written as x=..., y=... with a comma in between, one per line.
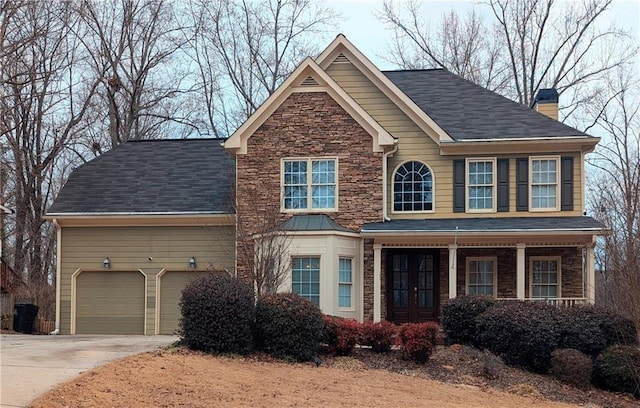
x=24, y=315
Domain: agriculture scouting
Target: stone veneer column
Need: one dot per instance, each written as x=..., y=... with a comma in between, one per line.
x=520, y=268
x=377, y=276
x=453, y=270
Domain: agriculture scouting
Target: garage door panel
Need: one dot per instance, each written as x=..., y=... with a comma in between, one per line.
x=171, y=285
x=110, y=302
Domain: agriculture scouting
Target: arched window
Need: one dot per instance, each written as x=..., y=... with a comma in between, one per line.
x=413, y=187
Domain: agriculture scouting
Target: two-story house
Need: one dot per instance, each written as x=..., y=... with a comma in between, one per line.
x=396, y=191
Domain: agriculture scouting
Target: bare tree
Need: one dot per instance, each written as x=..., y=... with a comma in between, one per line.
x=262, y=245
x=246, y=49
x=43, y=101
x=530, y=44
x=615, y=192
x=131, y=45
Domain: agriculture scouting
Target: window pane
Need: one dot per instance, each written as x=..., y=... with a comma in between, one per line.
x=305, y=278
x=545, y=278
x=544, y=185
x=481, y=277
x=413, y=187
x=480, y=189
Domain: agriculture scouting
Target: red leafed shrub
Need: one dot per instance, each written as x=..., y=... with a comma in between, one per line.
x=379, y=336
x=341, y=335
x=417, y=340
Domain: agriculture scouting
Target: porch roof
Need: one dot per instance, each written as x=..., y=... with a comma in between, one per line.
x=578, y=224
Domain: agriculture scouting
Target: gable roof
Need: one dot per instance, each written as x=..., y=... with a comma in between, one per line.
x=467, y=111
x=308, y=77
x=179, y=176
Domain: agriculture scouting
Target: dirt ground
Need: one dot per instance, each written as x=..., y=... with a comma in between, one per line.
x=178, y=378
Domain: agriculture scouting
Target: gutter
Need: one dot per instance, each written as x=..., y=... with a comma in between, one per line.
x=126, y=214
x=385, y=158
x=560, y=231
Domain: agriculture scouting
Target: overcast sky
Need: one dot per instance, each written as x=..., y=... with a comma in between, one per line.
x=366, y=32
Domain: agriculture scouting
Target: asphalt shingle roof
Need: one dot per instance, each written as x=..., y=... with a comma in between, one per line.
x=159, y=176
x=531, y=224
x=468, y=111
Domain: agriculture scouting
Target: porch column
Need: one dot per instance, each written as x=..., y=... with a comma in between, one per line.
x=520, y=268
x=591, y=275
x=453, y=270
x=377, y=276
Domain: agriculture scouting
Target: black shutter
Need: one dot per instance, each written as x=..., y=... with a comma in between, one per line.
x=458, y=186
x=566, y=176
x=503, y=185
x=522, y=184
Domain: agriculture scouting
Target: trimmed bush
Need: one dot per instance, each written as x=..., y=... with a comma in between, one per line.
x=418, y=340
x=341, y=335
x=458, y=317
x=581, y=329
x=288, y=326
x=523, y=334
x=572, y=366
x=618, y=369
x=617, y=329
x=217, y=314
x=379, y=336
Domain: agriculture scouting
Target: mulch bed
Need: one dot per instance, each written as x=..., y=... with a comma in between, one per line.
x=466, y=365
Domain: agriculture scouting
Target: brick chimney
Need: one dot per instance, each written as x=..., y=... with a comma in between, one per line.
x=546, y=102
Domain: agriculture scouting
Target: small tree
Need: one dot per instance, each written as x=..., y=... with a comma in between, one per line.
x=262, y=245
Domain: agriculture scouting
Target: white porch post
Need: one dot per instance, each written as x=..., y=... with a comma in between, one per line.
x=377, y=276
x=453, y=270
x=591, y=274
x=520, y=268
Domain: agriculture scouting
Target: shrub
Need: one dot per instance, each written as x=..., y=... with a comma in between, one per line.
x=572, y=366
x=217, y=314
x=341, y=335
x=522, y=333
x=618, y=369
x=581, y=329
x=379, y=336
x=458, y=317
x=417, y=340
x=288, y=326
x=617, y=329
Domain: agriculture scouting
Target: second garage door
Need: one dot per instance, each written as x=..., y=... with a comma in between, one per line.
x=110, y=302
x=171, y=285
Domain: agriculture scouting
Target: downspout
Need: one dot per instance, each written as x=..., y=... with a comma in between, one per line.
x=58, y=273
x=385, y=156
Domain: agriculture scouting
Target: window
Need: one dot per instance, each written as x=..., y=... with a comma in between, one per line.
x=545, y=277
x=544, y=183
x=305, y=278
x=413, y=187
x=481, y=179
x=481, y=276
x=309, y=184
x=345, y=282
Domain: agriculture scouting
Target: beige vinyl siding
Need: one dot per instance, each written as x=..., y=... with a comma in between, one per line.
x=129, y=249
x=110, y=303
x=414, y=144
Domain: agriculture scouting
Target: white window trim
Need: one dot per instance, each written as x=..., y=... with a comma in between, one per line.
x=530, y=175
x=309, y=200
x=532, y=259
x=352, y=307
x=494, y=259
x=433, y=189
x=494, y=184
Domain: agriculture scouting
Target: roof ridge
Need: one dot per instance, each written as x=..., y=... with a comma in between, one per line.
x=191, y=139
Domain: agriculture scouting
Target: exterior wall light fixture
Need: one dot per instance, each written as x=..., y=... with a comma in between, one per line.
x=106, y=264
x=192, y=262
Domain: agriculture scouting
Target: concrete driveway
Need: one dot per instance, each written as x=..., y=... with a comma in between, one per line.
x=31, y=365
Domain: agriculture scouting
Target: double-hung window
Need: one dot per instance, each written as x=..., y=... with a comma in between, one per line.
x=481, y=276
x=309, y=184
x=481, y=182
x=305, y=278
x=545, y=277
x=345, y=282
x=544, y=183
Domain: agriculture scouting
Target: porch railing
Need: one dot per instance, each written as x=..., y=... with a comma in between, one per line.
x=560, y=302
